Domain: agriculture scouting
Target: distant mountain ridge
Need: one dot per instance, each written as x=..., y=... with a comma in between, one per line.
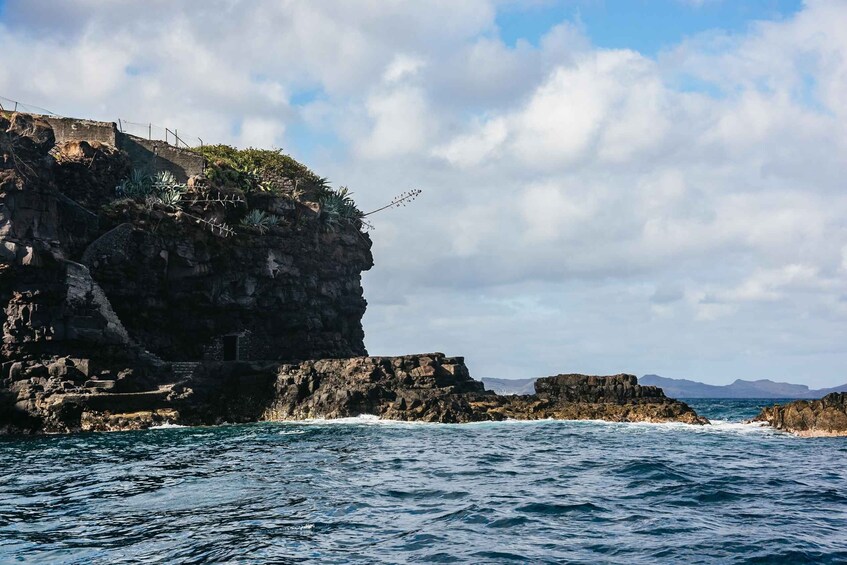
x=762, y=388
x=685, y=388
x=510, y=386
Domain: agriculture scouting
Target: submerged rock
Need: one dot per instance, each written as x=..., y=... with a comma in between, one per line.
x=809, y=418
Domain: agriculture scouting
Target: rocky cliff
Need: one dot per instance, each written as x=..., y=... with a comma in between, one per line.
x=824, y=417
x=128, y=300
x=164, y=276
x=428, y=388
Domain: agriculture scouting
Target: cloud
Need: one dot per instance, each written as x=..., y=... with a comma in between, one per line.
x=583, y=208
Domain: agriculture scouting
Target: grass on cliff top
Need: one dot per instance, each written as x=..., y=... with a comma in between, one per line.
x=272, y=161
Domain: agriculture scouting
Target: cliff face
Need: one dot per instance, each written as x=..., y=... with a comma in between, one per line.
x=116, y=288
x=159, y=278
x=285, y=295
x=824, y=417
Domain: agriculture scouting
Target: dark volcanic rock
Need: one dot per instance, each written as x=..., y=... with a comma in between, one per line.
x=73, y=395
x=88, y=172
x=123, y=314
x=435, y=388
x=178, y=288
x=824, y=417
x=429, y=388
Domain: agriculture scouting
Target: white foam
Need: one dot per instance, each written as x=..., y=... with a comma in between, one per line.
x=167, y=426
x=716, y=426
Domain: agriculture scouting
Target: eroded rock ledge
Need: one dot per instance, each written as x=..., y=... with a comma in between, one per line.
x=809, y=418
x=430, y=388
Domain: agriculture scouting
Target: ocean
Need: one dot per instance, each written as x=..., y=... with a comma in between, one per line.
x=365, y=491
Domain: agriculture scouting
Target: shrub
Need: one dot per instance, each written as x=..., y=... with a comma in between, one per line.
x=260, y=221
x=137, y=185
x=338, y=207
x=245, y=168
x=162, y=187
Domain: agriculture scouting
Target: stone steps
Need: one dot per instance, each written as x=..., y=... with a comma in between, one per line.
x=101, y=385
x=184, y=369
x=123, y=402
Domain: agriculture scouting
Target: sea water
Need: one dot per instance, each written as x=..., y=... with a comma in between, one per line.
x=365, y=491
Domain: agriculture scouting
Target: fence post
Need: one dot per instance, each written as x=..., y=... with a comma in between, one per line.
x=120, y=127
x=176, y=138
x=16, y=106
x=149, y=131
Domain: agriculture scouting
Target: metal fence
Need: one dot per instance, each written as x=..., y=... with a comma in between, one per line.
x=10, y=105
x=153, y=131
x=143, y=130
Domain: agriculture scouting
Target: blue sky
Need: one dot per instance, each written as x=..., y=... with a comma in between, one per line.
x=654, y=187
x=646, y=26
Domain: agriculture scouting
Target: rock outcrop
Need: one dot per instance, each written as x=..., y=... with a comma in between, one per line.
x=62, y=397
x=178, y=288
x=810, y=418
x=435, y=388
x=122, y=310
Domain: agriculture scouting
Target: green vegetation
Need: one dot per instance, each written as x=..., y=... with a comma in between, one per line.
x=250, y=170
x=260, y=221
x=161, y=187
x=254, y=170
x=338, y=207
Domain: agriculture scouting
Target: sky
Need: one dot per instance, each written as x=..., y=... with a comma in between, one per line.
x=607, y=186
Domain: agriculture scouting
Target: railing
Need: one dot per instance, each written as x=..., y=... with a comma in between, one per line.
x=9, y=105
x=146, y=131
x=153, y=131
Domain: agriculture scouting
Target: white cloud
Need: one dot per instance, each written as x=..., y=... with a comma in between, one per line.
x=583, y=208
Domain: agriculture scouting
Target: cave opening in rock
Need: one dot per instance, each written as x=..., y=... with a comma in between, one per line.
x=230, y=348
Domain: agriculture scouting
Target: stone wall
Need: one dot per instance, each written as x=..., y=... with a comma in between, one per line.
x=151, y=155
x=215, y=351
x=73, y=129
x=156, y=155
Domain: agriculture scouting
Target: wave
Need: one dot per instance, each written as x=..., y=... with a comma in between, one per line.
x=716, y=426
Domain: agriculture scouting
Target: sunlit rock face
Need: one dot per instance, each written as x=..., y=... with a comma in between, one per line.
x=824, y=417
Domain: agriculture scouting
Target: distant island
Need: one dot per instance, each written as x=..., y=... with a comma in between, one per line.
x=685, y=388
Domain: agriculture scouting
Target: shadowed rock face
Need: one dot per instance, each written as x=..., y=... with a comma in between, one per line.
x=175, y=287
x=824, y=417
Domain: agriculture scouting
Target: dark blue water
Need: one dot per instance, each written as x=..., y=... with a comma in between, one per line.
x=366, y=492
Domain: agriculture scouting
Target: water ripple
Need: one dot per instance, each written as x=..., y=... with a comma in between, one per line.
x=364, y=491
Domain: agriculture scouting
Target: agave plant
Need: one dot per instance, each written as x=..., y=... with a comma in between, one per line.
x=272, y=221
x=171, y=196
x=137, y=185
x=337, y=206
x=260, y=221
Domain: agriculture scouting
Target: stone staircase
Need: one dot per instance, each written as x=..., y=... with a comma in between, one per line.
x=184, y=369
